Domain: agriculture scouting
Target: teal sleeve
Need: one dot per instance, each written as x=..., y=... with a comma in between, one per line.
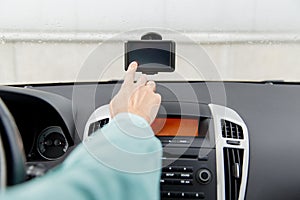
x=120, y=161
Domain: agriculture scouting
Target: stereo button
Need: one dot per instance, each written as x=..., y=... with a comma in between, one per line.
x=187, y=169
x=169, y=169
x=182, y=169
x=183, y=141
x=195, y=195
x=168, y=194
x=166, y=181
x=181, y=194
x=186, y=175
x=169, y=174
x=177, y=169
x=186, y=182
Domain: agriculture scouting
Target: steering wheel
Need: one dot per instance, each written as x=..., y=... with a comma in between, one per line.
x=12, y=156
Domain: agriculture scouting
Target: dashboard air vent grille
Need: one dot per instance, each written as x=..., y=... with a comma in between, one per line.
x=233, y=165
x=231, y=130
x=97, y=125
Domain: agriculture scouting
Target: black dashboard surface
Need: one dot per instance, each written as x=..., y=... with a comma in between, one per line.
x=271, y=113
x=40, y=116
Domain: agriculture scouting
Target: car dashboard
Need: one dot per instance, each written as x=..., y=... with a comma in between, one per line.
x=245, y=145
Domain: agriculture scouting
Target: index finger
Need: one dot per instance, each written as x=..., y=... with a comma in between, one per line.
x=129, y=77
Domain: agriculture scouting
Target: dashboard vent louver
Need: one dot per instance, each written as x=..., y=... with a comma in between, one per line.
x=231, y=130
x=97, y=125
x=233, y=165
x=232, y=153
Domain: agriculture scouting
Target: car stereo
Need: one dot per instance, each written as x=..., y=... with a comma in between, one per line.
x=205, y=154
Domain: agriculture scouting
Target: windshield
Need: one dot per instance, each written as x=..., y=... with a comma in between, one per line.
x=54, y=41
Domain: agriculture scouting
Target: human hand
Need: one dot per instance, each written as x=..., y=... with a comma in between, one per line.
x=138, y=98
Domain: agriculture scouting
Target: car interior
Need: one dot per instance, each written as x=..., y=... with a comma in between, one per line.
x=224, y=136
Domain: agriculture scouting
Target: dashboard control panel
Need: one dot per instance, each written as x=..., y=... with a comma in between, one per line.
x=205, y=156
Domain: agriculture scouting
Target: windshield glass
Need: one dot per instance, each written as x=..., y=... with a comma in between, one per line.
x=54, y=41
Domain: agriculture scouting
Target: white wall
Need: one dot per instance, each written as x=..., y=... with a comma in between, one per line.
x=50, y=40
x=118, y=15
x=52, y=62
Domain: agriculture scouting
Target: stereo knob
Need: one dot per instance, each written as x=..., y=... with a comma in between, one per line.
x=204, y=176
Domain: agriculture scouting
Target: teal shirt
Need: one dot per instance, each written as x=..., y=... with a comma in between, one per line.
x=120, y=161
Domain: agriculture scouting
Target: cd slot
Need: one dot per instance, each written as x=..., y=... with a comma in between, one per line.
x=191, y=153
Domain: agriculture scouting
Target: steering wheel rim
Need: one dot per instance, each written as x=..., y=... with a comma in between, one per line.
x=12, y=148
x=2, y=166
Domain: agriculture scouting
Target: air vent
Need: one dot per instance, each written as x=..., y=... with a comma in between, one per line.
x=231, y=130
x=232, y=153
x=233, y=165
x=97, y=125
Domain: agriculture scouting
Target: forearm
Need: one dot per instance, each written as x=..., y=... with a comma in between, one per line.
x=122, y=161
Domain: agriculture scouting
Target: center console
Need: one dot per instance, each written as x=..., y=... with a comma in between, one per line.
x=205, y=150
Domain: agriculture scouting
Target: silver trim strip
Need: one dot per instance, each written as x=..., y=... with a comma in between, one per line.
x=97, y=36
x=218, y=113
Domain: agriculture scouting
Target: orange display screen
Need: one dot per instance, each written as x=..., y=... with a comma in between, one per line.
x=175, y=127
